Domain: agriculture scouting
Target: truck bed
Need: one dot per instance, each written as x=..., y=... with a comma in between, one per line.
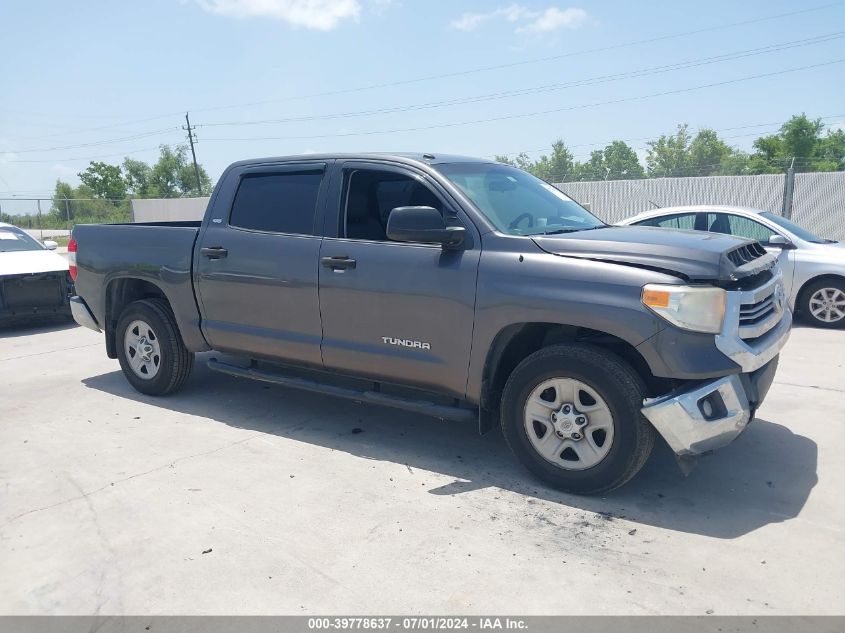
x=110, y=252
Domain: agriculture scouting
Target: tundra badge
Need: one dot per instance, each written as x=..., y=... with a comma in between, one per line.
x=404, y=342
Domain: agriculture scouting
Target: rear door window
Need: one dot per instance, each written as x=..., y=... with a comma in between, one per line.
x=277, y=202
x=680, y=221
x=739, y=226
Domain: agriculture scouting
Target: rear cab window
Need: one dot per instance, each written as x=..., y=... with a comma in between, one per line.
x=277, y=202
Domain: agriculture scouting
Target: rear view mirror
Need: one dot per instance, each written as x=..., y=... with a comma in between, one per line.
x=50, y=245
x=501, y=184
x=780, y=241
x=422, y=224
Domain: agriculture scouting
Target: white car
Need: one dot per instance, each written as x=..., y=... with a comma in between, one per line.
x=813, y=267
x=34, y=281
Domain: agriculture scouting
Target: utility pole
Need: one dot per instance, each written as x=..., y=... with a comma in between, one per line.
x=193, y=152
x=789, y=190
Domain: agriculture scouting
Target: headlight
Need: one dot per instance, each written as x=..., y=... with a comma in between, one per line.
x=696, y=308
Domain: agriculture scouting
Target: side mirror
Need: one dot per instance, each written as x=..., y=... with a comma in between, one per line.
x=50, y=245
x=780, y=241
x=422, y=224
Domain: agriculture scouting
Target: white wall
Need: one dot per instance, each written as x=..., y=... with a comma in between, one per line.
x=168, y=209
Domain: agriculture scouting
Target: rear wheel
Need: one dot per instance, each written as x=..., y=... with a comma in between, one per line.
x=150, y=349
x=823, y=303
x=571, y=414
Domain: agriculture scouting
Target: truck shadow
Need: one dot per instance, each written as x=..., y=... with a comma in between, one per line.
x=764, y=477
x=32, y=326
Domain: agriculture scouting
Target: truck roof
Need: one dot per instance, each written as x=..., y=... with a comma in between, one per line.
x=425, y=158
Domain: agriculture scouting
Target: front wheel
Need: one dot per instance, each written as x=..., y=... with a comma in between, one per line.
x=150, y=349
x=823, y=303
x=571, y=415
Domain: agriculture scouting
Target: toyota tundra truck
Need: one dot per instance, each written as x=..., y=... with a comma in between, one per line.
x=454, y=287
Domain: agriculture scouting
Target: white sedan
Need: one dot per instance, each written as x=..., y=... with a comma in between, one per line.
x=34, y=281
x=813, y=267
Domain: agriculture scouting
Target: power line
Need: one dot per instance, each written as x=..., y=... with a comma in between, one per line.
x=479, y=98
x=56, y=160
x=535, y=113
x=546, y=87
x=487, y=97
x=95, y=143
x=479, y=69
x=468, y=71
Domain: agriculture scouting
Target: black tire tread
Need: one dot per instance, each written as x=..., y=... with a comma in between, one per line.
x=620, y=372
x=181, y=360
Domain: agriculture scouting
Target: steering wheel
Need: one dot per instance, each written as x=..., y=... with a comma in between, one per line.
x=520, y=218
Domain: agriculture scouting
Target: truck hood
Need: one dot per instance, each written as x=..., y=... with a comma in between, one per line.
x=691, y=255
x=23, y=262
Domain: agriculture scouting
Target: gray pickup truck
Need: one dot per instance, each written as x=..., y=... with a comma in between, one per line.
x=455, y=287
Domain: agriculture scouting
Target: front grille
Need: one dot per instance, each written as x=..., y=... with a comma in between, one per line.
x=744, y=254
x=758, y=316
x=753, y=313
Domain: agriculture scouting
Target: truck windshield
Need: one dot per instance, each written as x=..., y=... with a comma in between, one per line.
x=13, y=239
x=516, y=202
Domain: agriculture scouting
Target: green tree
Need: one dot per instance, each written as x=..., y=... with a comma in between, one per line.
x=708, y=153
x=173, y=175
x=83, y=205
x=559, y=166
x=800, y=141
x=521, y=160
x=137, y=174
x=593, y=169
x=830, y=151
x=62, y=205
x=617, y=161
x=669, y=155
x=556, y=167
x=622, y=162
x=104, y=181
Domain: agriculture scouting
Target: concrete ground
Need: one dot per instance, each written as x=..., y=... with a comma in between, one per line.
x=237, y=497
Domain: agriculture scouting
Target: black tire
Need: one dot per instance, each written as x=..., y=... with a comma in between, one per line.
x=175, y=362
x=618, y=385
x=807, y=294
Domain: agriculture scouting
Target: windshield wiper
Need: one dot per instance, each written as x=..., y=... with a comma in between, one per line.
x=587, y=228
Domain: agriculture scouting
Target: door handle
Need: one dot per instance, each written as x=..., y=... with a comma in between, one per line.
x=214, y=252
x=338, y=262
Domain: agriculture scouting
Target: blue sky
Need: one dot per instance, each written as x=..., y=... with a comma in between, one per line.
x=99, y=80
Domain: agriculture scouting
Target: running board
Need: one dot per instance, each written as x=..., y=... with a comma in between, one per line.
x=444, y=412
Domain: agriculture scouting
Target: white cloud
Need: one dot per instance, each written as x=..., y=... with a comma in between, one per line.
x=543, y=21
x=553, y=19
x=470, y=21
x=321, y=15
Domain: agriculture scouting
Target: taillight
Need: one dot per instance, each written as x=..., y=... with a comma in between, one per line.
x=71, y=258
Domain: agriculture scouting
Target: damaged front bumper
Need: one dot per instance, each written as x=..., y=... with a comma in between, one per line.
x=711, y=415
